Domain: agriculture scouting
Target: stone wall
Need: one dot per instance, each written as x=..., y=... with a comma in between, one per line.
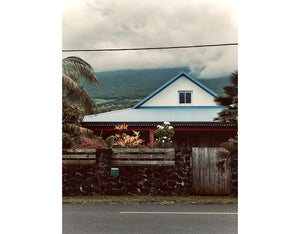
x=233, y=167
x=95, y=179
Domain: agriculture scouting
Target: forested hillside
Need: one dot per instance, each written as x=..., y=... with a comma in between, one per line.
x=124, y=88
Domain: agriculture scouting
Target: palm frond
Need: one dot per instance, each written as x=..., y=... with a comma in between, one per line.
x=77, y=67
x=234, y=78
x=229, y=146
x=70, y=86
x=224, y=101
x=73, y=92
x=76, y=130
x=223, y=153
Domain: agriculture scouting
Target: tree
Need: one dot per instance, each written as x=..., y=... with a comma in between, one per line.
x=76, y=101
x=230, y=101
x=72, y=115
x=74, y=71
x=228, y=149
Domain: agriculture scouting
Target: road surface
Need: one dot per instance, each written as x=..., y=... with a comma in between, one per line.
x=149, y=218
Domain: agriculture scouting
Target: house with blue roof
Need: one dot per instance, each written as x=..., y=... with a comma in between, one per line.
x=183, y=101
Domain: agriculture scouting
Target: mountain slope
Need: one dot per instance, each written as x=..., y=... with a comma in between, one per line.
x=124, y=88
x=131, y=84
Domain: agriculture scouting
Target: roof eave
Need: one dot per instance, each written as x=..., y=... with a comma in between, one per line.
x=154, y=124
x=170, y=82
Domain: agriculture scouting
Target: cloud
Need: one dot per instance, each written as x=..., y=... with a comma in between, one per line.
x=95, y=24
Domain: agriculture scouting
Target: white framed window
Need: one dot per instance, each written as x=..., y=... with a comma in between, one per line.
x=185, y=96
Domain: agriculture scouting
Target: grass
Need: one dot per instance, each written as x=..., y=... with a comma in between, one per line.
x=103, y=101
x=150, y=199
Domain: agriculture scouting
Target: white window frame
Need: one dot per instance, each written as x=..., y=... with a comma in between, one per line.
x=185, y=91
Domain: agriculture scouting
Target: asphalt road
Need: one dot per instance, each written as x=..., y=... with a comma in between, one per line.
x=149, y=218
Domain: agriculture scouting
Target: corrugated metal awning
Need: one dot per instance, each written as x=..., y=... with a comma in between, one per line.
x=154, y=124
x=152, y=116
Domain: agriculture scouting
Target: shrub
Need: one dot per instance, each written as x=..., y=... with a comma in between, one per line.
x=67, y=141
x=164, y=134
x=89, y=143
x=126, y=141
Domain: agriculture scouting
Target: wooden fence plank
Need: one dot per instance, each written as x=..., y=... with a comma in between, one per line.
x=137, y=150
x=207, y=179
x=79, y=151
x=195, y=172
x=78, y=156
x=143, y=156
x=79, y=162
x=166, y=157
x=142, y=163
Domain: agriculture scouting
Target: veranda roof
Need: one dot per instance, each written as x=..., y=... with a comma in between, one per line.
x=151, y=116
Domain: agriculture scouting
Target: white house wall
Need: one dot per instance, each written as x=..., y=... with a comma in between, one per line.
x=170, y=97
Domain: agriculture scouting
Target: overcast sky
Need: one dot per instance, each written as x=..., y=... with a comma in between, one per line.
x=97, y=24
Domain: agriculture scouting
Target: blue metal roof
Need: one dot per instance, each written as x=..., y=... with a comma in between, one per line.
x=158, y=114
x=170, y=82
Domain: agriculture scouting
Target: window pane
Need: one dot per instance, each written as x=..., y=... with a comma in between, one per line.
x=181, y=98
x=188, y=98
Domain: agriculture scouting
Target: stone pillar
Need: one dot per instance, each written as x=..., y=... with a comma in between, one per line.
x=103, y=161
x=182, y=168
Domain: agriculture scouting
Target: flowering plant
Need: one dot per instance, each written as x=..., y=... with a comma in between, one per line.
x=89, y=143
x=126, y=141
x=164, y=133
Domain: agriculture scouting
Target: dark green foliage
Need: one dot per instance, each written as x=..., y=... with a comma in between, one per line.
x=226, y=150
x=67, y=141
x=76, y=100
x=216, y=84
x=117, y=104
x=131, y=84
x=74, y=71
x=164, y=135
x=72, y=113
x=72, y=116
x=230, y=100
x=229, y=149
x=78, y=69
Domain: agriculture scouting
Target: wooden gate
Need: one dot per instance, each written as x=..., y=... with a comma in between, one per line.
x=207, y=179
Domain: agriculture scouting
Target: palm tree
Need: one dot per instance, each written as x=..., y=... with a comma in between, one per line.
x=74, y=71
x=76, y=101
x=230, y=101
x=229, y=114
x=229, y=149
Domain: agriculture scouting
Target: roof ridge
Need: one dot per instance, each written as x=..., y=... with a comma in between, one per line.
x=182, y=73
x=180, y=107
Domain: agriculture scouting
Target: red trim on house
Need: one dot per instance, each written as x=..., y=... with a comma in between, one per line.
x=112, y=128
x=175, y=128
x=205, y=128
x=151, y=137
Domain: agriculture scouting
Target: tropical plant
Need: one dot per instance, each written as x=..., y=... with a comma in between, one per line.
x=230, y=101
x=164, y=134
x=67, y=140
x=76, y=101
x=74, y=71
x=228, y=149
x=94, y=142
x=126, y=141
x=72, y=115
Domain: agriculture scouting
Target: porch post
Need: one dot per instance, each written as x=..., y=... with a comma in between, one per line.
x=151, y=137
